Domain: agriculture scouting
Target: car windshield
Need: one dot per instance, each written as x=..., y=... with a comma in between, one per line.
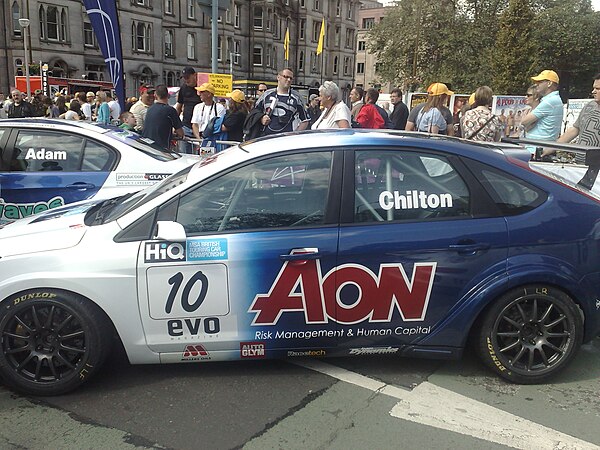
x=115, y=208
x=145, y=145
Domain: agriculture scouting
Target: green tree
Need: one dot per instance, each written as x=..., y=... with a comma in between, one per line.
x=513, y=54
x=566, y=36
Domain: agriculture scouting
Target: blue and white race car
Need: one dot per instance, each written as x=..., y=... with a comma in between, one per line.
x=320, y=243
x=45, y=164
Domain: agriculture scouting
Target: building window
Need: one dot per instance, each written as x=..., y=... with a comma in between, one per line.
x=347, y=65
x=142, y=36
x=257, y=55
x=168, y=6
x=350, y=38
x=317, y=5
x=316, y=30
x=268, y=60
x=338, y=35
x=94, y=72
x=302, y=29
x=237, y=46
x=227, y=16
x=360, y=68
x=362, y=46
x=313, y=62
x=350, y=15
x=301, y=61
x=143, y=3
x=368, y=23
x=53, y=23
x=219, y=49
x=171, y=79
x=336, y=62
x=169, y=43
x=269, y=19
x=302, y=4
x=258, y=18
x=191, y=46
x=191, y=9
x=89, y=37
x=236, y=15
x=338, y=8
x=16, y=15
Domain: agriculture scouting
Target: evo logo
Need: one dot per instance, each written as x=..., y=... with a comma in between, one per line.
x=164, y=252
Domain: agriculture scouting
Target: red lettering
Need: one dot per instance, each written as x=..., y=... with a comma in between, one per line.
x=298, y=288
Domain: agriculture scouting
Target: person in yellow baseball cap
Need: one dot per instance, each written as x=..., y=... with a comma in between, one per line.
x=437, y=98
x=206, y=109
x=544, y=121
x=235, y=116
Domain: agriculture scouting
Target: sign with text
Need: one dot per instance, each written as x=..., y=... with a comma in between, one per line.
x=223, y=83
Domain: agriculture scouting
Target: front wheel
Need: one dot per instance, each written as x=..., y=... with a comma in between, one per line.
x=530, y=333
x=51, y=341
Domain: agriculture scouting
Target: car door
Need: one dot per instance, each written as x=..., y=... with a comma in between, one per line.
x=417, y=242
x=46, y=169
x=246, y=282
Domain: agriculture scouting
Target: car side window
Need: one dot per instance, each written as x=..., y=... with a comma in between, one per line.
x=284, y=191
x=97, y=158
x=36, y=151
x=511, y=195
x=406, y=185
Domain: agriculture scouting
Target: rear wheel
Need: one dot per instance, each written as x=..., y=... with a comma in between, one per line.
x=530, y=334
x=51, y=341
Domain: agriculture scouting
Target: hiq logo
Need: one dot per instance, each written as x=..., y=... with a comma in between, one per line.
x=164, y=252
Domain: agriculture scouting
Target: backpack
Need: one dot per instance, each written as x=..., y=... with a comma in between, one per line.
x=212, y=133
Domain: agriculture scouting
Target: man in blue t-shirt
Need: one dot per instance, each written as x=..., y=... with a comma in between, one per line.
x=543, y=123
x=281, y=106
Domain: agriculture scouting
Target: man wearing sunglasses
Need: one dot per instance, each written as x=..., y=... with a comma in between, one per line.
x=543, y=123
x=281, y=107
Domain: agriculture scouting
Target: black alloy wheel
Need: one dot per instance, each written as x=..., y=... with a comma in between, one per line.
x=52, y=344
x=531, y=333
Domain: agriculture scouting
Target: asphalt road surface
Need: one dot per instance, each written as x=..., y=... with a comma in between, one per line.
x=378, y=402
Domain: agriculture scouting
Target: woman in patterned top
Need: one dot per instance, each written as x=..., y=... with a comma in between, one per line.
x=478, y=123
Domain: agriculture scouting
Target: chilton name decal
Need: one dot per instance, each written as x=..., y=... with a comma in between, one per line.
x=303, y=288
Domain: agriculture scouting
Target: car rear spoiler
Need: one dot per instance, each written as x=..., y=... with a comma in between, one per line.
x=592, y=155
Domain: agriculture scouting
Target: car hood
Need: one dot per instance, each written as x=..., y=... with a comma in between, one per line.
x=52, y=230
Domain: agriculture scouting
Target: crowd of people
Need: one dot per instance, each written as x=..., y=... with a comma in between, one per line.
x=207, y=121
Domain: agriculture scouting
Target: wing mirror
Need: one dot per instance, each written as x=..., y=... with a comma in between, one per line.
x=169, y=231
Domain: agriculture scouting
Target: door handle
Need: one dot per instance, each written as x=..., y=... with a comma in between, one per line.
x=81, y=185
x=471, y=247
x=301, y=254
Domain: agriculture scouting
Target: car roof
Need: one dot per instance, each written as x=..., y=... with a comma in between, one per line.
x=32, y=122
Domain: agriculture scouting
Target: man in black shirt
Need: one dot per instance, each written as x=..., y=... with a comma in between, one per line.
x=187, y=98
x=161, y=119
x=19, y=108
x=399, y=115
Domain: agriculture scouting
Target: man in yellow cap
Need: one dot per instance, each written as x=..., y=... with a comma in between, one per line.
x=543, y=123
x=435, y=89
x=206, y=109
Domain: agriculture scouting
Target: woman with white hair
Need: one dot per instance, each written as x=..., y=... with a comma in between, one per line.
x=335, y=112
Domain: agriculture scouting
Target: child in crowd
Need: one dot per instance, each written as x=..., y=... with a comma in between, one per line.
x=127, y=121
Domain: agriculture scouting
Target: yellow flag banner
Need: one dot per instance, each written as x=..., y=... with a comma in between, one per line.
x=321, y=38
x=286, y=45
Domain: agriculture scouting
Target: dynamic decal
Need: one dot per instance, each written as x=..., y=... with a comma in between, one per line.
x=46, y=154
x=206, y=249
x=302, y=288
x=195, y=353
x=414, y=200
x=14, y=211
x=373, y=350
x=164, y=252
x=252, y=349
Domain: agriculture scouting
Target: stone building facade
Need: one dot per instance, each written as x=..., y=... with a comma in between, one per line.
x=160, y=37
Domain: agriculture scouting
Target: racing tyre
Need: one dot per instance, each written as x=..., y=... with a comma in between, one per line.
x=51, y=341
x=530, y=333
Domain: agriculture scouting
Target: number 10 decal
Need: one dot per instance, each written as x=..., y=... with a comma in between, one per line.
x=175, y=282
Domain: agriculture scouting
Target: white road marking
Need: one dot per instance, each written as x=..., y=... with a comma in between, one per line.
x=431, y=405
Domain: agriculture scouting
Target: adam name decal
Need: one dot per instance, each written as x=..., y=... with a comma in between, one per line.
x=303, y=288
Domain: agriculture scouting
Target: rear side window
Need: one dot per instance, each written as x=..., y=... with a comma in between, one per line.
x=41, y=151
x=511, y=195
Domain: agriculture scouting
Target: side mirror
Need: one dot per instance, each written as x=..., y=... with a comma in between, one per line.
x=169, y=231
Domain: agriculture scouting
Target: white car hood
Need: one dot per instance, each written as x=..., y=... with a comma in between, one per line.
x=52, y=230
